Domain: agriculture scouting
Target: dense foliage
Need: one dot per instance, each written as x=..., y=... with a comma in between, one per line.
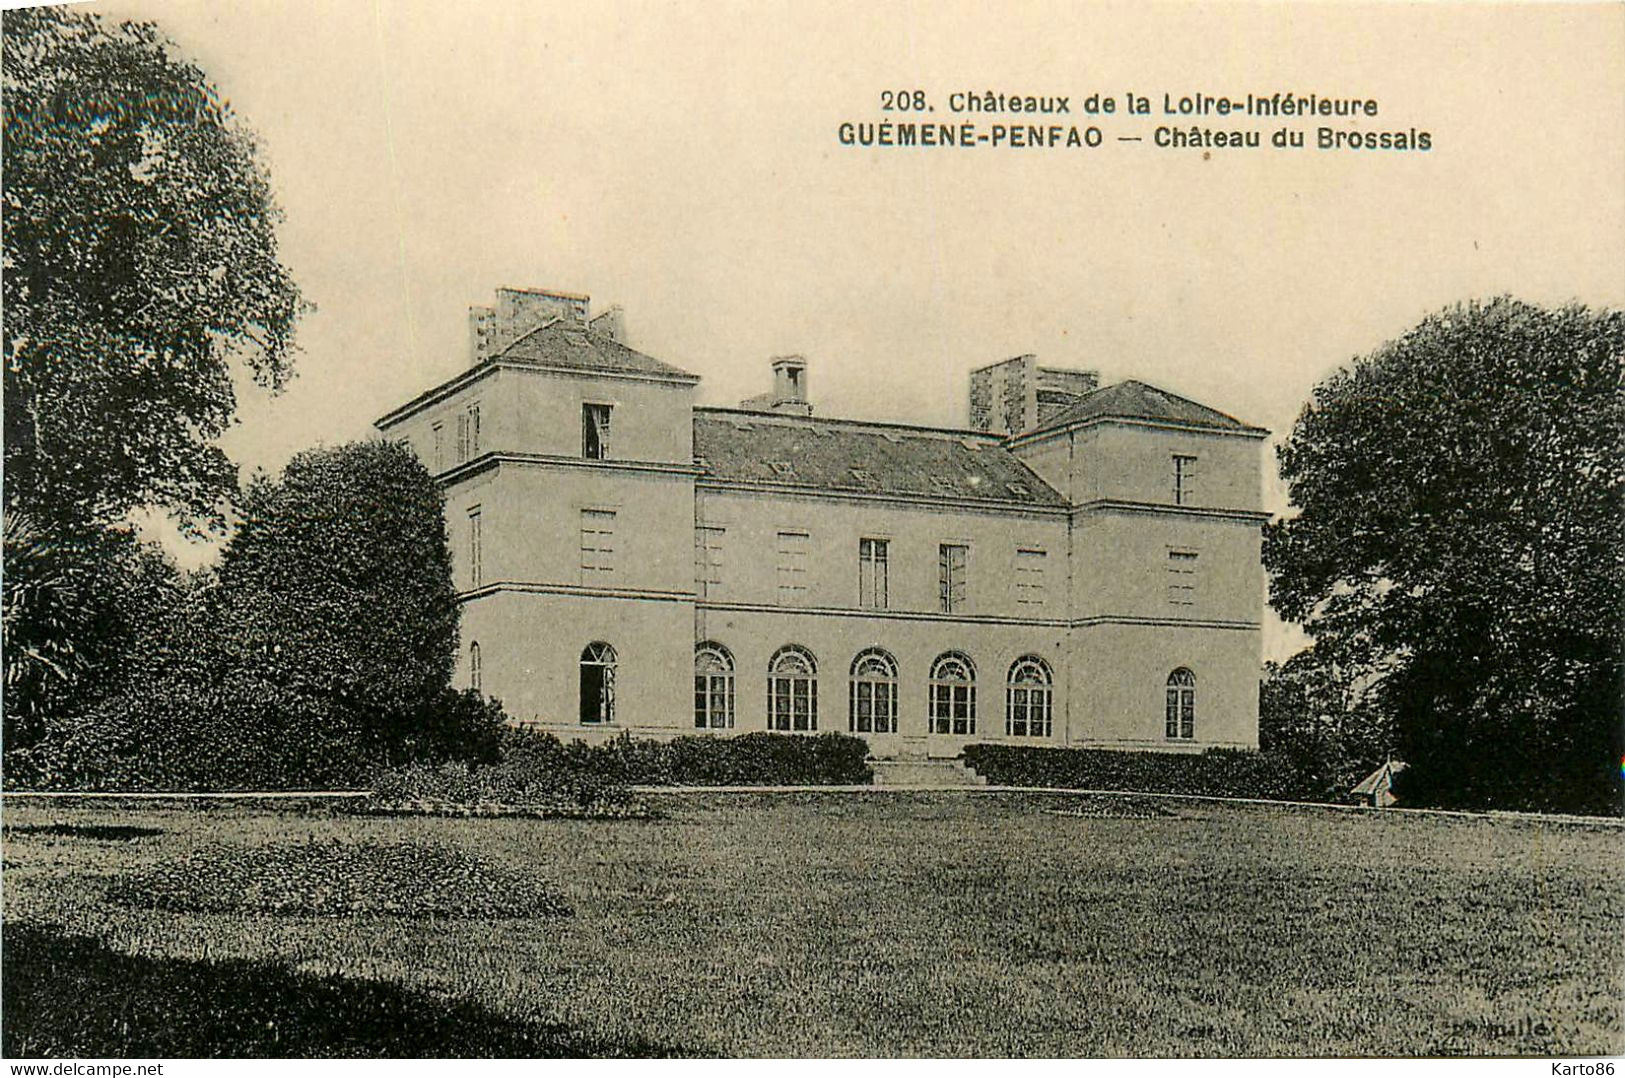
x=1214, y=773
x=536, y=774
x=337, y=583
x=140, y=273
x=321, y=650
x=1459, y=549
x=531, y=775
x=83, y=613
x=337, y=879
x=1318, y=726
x=754, y=759
x=140, y=260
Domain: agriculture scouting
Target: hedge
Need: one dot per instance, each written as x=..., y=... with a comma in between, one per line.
x=537, y=774
x=755, y=759
x=1214, y=773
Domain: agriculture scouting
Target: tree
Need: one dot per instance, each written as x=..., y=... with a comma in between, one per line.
x=1312, y=717
x=140, y=257
x=140, y=261
x=319, y=650
x=336, y=589
x=1457, y=548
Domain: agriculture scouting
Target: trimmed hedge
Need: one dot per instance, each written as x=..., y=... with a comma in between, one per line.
x=755, y=759
x=1214, y=773
x=536, y=774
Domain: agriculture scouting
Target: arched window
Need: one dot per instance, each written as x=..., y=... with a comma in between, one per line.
x=792, y=690
x=474, y=666
x=1028, y=698
x=873, y=706
x=713, y=687
x=953, y=695
x=1179, y=722
x=597, y=684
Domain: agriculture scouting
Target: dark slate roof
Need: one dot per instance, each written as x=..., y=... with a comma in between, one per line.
x=559, y=344
x=1136, y=400
x=867, y=458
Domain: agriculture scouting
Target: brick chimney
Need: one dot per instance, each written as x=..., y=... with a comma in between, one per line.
x=516, y=312
x=1017, y=394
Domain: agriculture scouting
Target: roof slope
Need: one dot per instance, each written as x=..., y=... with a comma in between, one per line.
x=1136, y=400
x=864, y=458
x=556, y=343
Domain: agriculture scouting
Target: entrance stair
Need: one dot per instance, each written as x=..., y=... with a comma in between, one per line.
x=909, y=773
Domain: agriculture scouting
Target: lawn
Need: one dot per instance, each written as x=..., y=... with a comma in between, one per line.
x=953, y=923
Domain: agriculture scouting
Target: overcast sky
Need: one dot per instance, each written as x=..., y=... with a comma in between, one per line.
x=680, y=159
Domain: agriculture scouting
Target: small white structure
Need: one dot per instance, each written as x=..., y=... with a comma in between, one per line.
x=1377, y=788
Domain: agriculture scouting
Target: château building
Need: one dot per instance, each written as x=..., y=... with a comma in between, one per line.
x=1080, y=567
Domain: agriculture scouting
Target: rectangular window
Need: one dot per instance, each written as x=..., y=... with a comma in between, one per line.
x=792, y=567
x=1184, y=480
x=872, y=573
x=439, y=446
x=462, y=437
x=1182, y=577
x=951, y=562
x=713, y=700
x=1030, y=563
x=595, y=431
x=1180, y=717
x=597, y=544
x=475, y=570
x=707, y=558
x=473, y=415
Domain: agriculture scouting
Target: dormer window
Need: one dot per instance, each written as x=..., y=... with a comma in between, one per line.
x=595, y=431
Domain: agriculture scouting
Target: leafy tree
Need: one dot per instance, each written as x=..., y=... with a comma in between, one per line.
x=338, y=579
x=321, y=648
x=140, y=261
x=140, y=258
x=1314, y=719
x=337, y=589
x=1458, y=548
x=80, y=609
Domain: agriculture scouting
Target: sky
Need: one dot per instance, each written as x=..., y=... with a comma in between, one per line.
x=682, y=160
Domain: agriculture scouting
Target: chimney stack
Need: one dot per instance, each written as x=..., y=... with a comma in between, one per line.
x=1017, y=395
x=790, y=385
x=516, y=312
x=789, y=392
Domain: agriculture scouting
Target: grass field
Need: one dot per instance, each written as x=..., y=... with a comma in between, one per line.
x=948, y=923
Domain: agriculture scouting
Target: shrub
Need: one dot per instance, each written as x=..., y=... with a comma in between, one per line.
x=457, y=789
x=765, y=759
x=531, y=775
x=337, y=879
x=1214, y=773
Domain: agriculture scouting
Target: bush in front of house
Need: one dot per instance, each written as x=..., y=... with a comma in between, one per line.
x=537, y=775
x=338, y=879
x=754, y=759
x=533, y=775
x=1214, y=773
x=765, y=759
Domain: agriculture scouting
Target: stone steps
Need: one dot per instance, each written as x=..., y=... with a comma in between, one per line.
x=940, y=774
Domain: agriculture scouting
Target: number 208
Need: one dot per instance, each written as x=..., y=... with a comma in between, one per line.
x=902, y=100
